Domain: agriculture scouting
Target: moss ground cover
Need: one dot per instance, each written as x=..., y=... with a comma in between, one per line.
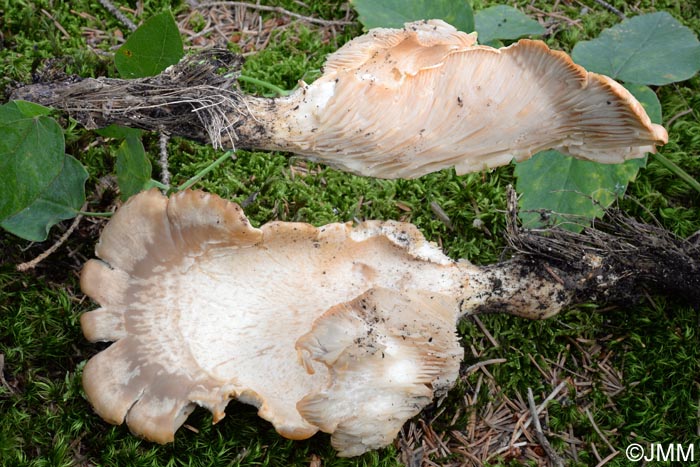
x=630, y=373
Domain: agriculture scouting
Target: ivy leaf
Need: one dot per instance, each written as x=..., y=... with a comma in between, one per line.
x=647, y=49
x=504, y=22
x=32, y=151
x=133, y=167
x=61, y=200
x=394, y=13
x=555, y=182
x=154, y=46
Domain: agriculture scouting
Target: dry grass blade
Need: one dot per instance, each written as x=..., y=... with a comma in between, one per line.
x=277, y=9
x=485, y=330
x=56, y=23
x=218, y=26
x=597, y=430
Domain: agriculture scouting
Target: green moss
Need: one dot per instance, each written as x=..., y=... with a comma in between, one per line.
x=46, y=419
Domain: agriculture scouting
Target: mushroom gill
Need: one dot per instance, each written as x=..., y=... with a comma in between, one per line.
x=203, y=308
x=400, y=103
x=389, y=353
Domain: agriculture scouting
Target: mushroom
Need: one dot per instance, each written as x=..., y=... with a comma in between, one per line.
x=393, y=103
x=400, y=103
x=346, y=329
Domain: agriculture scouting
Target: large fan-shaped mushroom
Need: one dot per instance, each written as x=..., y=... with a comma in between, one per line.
x=345, y=329
x=205, y=307
x=350, y=330
x=391, y=103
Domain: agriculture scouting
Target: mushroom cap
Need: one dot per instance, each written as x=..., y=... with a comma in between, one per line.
x=203, y=307
x=405, y=102
x=389, y=354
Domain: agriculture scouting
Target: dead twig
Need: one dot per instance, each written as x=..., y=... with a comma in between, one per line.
x=56, y=23
x=118, y=14
x=276, y=9
x=3, y=381
x=556, y=16
x=541, y=438
x=685, y=101
x=33, y=263
x=611, y=8
x=677, y=116
x=163, y=160
x=597, y=430
x=483, y=363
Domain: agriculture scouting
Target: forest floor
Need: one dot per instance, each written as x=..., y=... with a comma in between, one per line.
x=605, y=377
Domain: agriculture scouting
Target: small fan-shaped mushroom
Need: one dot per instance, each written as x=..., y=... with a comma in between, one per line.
x=204, y=308
x=405, y=102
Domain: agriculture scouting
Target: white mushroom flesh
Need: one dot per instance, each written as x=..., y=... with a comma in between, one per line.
x=390, y=353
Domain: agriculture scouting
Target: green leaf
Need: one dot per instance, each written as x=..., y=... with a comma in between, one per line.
x=559, y=183
x=133, y=167
x=32, y=153
x=647, y=49
x=504, y=22
x=30, y=109
x=394, y=13
x=564, y=185
x=61, y=200
x=154, y=46
x=118, y=132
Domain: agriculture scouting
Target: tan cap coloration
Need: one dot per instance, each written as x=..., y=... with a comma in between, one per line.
x=400, y=103
x=147, y=378
x=203, y=308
